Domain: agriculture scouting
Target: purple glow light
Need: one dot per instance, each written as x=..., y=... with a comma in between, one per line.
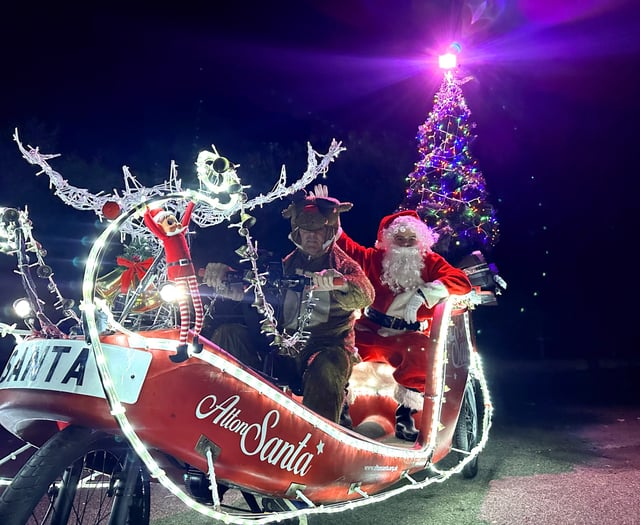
x=551, y=12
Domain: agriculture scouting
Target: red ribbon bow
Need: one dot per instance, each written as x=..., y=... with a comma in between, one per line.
x=134, y=269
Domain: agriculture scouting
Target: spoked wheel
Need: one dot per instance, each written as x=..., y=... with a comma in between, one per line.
x=467, y=433
x=79, y=476
x=283, y=505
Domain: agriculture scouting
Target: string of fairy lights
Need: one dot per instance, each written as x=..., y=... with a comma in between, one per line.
x=222, y=192
x=288, y=343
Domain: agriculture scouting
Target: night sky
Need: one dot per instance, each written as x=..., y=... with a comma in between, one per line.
x=553, y=93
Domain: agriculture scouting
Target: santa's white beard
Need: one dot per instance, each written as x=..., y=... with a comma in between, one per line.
x=402, y=267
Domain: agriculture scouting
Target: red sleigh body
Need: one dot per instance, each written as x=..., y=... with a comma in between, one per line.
x=259, y=435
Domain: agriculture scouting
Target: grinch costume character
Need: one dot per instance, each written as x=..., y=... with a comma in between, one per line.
x=164, y=225
x=409, y=280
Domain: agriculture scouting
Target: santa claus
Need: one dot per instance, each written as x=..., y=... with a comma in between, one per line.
x=409, y=280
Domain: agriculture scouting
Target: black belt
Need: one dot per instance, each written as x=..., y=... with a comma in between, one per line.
x=180, y=262
x=390, y=322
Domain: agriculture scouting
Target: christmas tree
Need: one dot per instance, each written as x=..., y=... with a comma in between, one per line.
x=447, y=188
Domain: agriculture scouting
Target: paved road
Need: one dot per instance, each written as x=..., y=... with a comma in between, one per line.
x=564, y=449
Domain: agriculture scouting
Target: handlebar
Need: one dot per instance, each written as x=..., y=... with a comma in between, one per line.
x=286, y=281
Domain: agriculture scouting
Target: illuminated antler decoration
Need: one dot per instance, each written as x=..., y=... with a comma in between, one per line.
x=203, y=216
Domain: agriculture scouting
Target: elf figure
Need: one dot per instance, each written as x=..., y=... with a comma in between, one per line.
x=164, y=225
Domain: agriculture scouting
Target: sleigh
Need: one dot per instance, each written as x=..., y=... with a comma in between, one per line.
x=121, y=410
x=111, y=416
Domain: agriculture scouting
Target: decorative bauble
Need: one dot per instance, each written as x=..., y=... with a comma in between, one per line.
x=111, y=210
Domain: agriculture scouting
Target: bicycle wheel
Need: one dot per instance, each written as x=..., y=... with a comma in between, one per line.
x=79, y=476
x=466, y=434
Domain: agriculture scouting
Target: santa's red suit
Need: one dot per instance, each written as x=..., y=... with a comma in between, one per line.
x=382, y=334
x=180, y=268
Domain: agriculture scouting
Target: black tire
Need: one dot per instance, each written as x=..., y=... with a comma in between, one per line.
x=480, y=408
x=46, y=490
x=467, y=433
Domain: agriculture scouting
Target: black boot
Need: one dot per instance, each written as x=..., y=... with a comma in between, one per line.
x=180, y=355
x=197, y=345
x=405, y=426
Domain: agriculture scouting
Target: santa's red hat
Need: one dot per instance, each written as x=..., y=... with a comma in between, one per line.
x=388, y=219
x=410, y=219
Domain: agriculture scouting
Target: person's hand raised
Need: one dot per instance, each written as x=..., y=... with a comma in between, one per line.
x=320, y=190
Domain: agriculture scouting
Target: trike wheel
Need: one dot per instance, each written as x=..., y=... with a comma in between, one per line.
x=78, y=476
x=283, y=505
x=467, y=433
